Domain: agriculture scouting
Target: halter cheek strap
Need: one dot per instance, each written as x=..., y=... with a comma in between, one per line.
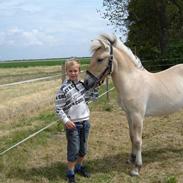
x=110, y=59
x=106, y=72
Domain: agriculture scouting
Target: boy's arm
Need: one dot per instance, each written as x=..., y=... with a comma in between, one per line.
x=59, y=104
x=91, y=94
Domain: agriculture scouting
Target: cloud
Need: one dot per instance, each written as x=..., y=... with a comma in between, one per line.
x=19, y=37
x=44, y=28
x=14, y=7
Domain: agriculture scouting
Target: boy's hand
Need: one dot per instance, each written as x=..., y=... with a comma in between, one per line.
x=70, y=125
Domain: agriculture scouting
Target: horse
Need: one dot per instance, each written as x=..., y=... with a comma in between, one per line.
x=140, y=92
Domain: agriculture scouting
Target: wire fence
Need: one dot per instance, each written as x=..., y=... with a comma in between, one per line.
x=42, y=129
x=62, y=76
x=30, y=80
x=153, y=67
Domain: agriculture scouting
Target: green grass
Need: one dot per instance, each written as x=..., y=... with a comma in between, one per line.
x=25, y=127
x=171, y=179
x=37, y=62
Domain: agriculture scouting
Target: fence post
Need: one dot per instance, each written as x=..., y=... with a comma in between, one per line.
x=63, y=72
x=107, y=88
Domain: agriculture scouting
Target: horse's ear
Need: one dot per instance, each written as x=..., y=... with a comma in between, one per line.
x=112, y=39
x=96, y=44
x=102, y=43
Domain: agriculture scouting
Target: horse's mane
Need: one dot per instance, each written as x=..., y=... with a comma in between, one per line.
x=106, y=40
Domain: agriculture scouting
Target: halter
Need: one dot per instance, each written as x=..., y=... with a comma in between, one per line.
x=106, y=72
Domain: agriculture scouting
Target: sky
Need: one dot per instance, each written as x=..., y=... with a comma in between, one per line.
x=32, y=29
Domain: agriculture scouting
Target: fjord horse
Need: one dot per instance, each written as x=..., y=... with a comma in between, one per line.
x=141, y=93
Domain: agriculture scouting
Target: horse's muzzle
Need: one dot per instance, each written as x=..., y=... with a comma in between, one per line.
x=90, y=81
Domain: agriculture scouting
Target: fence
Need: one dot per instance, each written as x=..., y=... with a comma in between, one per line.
x=150, y=65
x=53, y=122
x=155, y=65
x=42, y=129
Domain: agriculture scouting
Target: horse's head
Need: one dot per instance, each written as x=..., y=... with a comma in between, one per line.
x=101, y=61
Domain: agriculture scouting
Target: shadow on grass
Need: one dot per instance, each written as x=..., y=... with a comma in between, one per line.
x=107, y=164
x=57, y=170
x=162, y=154
x=54, y=171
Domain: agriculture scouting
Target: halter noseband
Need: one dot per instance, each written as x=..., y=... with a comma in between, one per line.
x=106, y=72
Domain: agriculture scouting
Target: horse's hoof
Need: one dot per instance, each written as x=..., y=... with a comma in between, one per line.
x=128, y=162
x=134, y=173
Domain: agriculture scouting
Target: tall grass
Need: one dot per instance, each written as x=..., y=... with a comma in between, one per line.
x=23, y=100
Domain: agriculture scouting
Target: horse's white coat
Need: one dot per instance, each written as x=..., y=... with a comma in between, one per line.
x=141, y=93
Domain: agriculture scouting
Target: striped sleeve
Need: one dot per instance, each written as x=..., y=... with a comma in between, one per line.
x=60, y=102
x=91, y=94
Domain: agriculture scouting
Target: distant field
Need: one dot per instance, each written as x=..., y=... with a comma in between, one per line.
x=20, y=71
x=38, y=62
x=10, y=75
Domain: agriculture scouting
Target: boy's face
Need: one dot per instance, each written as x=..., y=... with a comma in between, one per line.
x=73, y=72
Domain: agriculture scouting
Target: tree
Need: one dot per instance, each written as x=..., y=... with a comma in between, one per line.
x=152, y=27
x=116, y=11
x=148, y=27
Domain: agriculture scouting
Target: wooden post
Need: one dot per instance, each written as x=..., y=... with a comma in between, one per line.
x=63, y=72
x=107, y=88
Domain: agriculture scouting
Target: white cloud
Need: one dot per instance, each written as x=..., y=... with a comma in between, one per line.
x=32, y=38
x=19, y=37
x=14, y=7
x=45, y=27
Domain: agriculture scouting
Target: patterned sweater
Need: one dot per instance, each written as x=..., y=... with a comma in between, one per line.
x=71, y=101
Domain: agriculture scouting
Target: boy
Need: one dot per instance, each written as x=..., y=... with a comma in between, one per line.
x=72, y=109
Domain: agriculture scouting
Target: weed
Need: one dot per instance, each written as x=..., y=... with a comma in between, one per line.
x=171, y=179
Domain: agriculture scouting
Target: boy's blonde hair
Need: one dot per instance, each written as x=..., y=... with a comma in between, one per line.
x=70, y=62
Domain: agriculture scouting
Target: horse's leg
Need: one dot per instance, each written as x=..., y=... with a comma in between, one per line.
x=135, y=127
x=132, y=156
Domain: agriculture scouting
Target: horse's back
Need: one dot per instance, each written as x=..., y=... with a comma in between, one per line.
x=175, y=70
x=170, y=77
x=166, y=91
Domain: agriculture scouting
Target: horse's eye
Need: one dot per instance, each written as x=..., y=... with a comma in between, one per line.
x=99, y=60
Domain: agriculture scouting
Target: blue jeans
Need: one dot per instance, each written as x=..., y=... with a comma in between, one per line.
x=77, y=140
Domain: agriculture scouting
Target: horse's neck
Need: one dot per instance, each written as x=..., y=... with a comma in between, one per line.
x=123, y=62
x=130, y=57
x=119, y=75
x=123, y=70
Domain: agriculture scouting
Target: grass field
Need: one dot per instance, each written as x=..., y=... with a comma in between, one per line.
x=15, y=71
x=27, y=108
x=38, y=62
x=10, y=75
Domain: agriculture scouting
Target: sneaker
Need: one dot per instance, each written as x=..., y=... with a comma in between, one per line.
x=83, y=172
x=71, y=179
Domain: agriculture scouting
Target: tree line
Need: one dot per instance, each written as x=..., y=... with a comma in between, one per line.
x=154, y=29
